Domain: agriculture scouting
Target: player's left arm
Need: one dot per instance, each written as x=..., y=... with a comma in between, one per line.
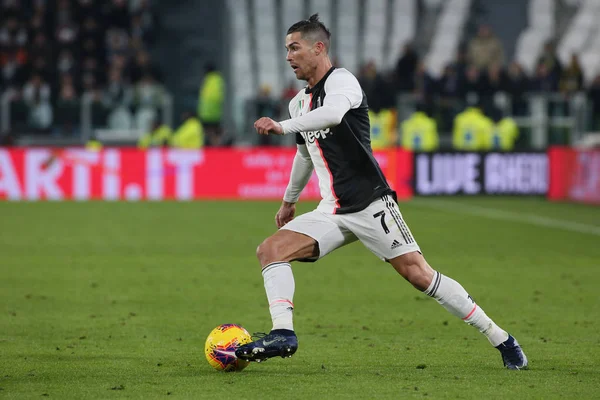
x=343, y=93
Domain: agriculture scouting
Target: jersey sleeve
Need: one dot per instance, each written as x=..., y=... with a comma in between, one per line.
x=343, y=83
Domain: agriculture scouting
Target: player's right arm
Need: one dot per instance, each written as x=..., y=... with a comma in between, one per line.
x=302, y=169
x=343, y=94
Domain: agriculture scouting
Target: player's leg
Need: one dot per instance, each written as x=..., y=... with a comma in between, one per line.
x=275, y=255
x=382, y=229
x=306, y=238
x=453, y=297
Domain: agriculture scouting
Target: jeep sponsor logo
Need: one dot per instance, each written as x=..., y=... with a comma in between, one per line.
x=311, y=136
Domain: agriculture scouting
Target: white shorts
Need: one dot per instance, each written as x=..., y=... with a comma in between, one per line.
x=379, y=227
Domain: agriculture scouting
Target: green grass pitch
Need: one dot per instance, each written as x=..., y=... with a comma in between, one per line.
x=114, y=300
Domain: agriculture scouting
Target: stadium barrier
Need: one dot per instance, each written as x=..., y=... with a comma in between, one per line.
x=575, y=175
x=470, y=173
x=165, y=174
x=262, y=173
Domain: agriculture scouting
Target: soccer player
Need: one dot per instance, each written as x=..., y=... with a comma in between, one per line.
x=330, y=121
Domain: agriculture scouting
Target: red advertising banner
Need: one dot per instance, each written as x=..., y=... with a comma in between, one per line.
x=169, y=174
x=574, y=175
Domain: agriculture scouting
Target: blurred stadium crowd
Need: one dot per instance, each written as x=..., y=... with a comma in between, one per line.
x=54, y=51
x=56, y=55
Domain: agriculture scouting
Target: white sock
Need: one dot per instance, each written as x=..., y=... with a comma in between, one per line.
x=454, y=298
x=279, y=285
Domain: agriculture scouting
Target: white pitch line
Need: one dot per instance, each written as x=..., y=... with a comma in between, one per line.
x=494, y=213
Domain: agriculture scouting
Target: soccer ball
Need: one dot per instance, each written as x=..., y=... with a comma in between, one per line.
x=221, y=345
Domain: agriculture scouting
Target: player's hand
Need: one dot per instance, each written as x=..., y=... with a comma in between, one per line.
x=265, y=125
x=285, y=214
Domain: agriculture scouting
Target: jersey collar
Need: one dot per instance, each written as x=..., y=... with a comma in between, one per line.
x=320, y=83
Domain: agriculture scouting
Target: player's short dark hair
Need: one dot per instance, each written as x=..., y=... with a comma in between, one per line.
x=313, y=29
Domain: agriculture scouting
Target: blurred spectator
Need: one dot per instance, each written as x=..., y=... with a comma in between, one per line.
x=117, y=14
x=89, y=8
x=379, y=88
x=117, y=43
x=66, y=34
x=190, y=134
x=383, y=123
x=492, y=83
x=38, y=24
x=551, y=63
x=405, y=68
x=41, y=47
x=471, y=127
x=41, y=66
x=67, y=110
x=210, y=104
x=91, y=73
x=419, y=132
x=89, y=48
x=450, y=92
x=460, y=63
x=140, y=31
x=149, y=20
x=90, y=30
x=36, y=90
x=266, y=106
x=11, y=9
x=473, y=86
x=40, y=112
x=66, y=63
x=100, y=107
x=516, y=84
x=289, y=92
x=64, y=12
x=503, y=135
x=494, y=80
x=147, y=92
x=424, y=85
x=118, y=92
x=13, y=33
x=159, y=136
x=593, y=93
x=485, y=49
x=367, y=78
x=543, y=80
x=571, y=79
x=12, y=68
x=142, y=65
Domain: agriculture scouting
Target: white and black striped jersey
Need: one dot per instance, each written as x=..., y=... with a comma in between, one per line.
x=349, y=176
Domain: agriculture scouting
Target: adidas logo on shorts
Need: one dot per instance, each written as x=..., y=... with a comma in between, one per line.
x=395, y=244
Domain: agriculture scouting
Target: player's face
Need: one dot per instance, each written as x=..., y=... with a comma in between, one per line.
x=300, y=55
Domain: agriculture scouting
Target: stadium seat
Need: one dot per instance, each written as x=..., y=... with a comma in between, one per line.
x=581, y=30
x=347, y=36
x=404, y=16
x=144, y=117
x=242, y=66
x=541, y=27
x=120, y=119
x=324, y=9
x=269, y=45
x=375, y=31
x=448, y=34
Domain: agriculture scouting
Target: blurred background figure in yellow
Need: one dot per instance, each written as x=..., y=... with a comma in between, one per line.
x=383, y=128
x=503, y=135
x=159, y=136
x=419, y=132
x=190, y=135
x=210, y=104
x=471, y=127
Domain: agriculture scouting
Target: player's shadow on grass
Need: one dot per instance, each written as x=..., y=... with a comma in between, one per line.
x=257, y=371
